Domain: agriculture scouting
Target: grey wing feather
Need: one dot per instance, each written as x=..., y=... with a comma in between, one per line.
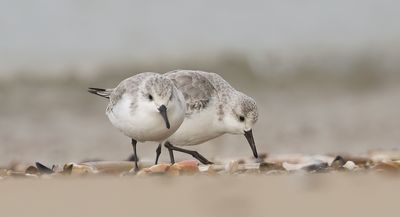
x=196, y=88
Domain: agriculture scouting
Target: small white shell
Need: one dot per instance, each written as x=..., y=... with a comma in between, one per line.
x=232, y=166
x=350, y=165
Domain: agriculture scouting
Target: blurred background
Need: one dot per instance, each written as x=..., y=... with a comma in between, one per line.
x=325, y=74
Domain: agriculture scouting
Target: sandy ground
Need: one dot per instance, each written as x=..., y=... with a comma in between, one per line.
x=276, y=195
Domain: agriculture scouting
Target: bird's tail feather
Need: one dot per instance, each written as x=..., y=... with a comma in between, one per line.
x=100, y=92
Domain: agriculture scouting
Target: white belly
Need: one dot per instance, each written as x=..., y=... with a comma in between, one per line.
x=144, y=124
x=198, y=128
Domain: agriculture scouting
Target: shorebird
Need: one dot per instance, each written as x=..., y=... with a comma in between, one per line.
x=145, y=107
x=213, y=108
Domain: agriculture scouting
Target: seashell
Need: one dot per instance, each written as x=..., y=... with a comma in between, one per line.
x=204, y=168
x=310, y=166
x=387, y=166
x=79, y=169
x=380, y=158
x=384, y=155
x=174, y=170
x=338, y=162
x=187, y=166
x=67, y=169
x=31, y=170
x=250, y=166
x=43, y=169
x=218, y=167
x=57, y=169
x=350, y=165
x=266, y=166
x=358, y=160
x=207, y=169
x=291, y=166
x=159, y=168
x=232, y=166
x=142, y=172
x=317, y=167
x=322, y=158
x=153, y=170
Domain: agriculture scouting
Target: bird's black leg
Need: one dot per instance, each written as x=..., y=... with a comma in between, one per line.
x=171, y=152
x=194, y=154
x=134, y=142
x=158, y=152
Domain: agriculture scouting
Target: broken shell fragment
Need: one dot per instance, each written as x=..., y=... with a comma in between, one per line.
x=153, y=170
x=67, y=169
x=31, y=170
x=187, y=166
x=159, y=168
x=80, y=169
x=232, y=166
x=43, y=169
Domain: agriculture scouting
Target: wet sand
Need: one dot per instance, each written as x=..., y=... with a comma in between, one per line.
x=274, y=195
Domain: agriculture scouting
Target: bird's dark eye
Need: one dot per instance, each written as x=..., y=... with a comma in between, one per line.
x=150, y=97
x=241, y=118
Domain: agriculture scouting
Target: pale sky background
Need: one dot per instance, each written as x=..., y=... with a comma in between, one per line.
x=51, y=38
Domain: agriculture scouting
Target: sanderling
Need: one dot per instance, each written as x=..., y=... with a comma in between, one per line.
x=213, y=108
x=139, y=105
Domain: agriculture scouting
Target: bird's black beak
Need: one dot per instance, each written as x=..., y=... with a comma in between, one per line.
x=163, y=111
x=250, y=139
